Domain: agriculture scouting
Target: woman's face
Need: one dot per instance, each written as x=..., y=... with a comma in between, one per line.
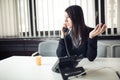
x=68, y=21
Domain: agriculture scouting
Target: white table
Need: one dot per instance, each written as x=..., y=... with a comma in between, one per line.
x=25, y=68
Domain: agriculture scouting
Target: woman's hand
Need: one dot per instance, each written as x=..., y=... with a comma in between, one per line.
x=100, y=28
x=62, y=31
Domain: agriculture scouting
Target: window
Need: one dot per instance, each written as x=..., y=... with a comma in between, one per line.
x=107, y=11
x=44, y=18
x=14, y=18
x=50, y=15
x=8, y=19
x=112, y=16
x=23, y=18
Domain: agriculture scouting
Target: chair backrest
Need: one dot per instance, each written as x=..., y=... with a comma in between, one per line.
x=101, y=49
x=48, y=48
x=116, y=50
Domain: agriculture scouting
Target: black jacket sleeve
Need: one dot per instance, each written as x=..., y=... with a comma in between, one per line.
x=92, y=48
x=61, y=50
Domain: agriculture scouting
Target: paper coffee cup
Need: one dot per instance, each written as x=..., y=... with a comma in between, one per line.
x=38, y=60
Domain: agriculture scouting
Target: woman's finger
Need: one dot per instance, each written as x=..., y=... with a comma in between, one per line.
x=103, y=28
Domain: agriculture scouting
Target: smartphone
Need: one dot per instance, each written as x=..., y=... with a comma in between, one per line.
x=65, y=29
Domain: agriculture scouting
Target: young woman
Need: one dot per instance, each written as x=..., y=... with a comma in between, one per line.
x=80, y=39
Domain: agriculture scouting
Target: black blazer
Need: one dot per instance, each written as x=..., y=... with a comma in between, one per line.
x=88, y=49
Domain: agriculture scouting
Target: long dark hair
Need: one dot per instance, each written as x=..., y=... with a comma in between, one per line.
x=79, y=29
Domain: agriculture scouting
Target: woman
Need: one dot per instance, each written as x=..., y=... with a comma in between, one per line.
x=80, y=39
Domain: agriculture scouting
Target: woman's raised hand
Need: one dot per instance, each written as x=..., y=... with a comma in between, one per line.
x=100, y=28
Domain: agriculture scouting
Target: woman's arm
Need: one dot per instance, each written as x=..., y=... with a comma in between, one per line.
x=92, y=48
x=92, y=41
x=61, y=50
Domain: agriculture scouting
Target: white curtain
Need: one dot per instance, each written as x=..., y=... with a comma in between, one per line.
x=118, y=16
x=8, y=18
x=15, y=17
x=112, y=16
x=50, y=13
